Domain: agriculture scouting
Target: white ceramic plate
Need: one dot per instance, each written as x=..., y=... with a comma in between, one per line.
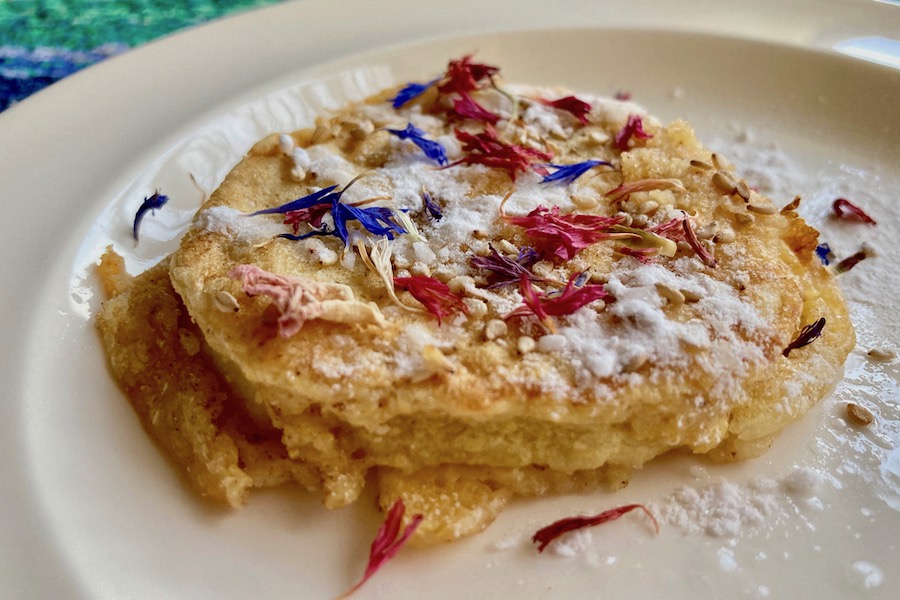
x=90, y=509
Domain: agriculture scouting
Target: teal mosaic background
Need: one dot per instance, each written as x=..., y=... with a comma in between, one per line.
x=42, y=41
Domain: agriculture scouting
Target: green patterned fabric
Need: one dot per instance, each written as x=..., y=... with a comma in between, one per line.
x=42, y=41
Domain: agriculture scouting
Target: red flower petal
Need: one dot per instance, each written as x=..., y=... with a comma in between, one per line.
x=540, y=305
x=844, y=209
x=634, y=128
x=563, y=235
x=312, y=215
x=487, y=149
x=434, y=295
x=463, y=76
x=387, y=542
x=465, y=107
x=579, y=108
x=544, y=536
x=701, y=252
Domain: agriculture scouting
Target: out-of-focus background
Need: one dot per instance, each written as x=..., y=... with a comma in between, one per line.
x=42, y=41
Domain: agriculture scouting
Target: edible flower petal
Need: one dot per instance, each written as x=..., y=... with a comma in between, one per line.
x=566, y=174
x=563, y=235
x=644, y=239
x=379, y=262
x=851, y=261
x=311, y=216
x=634, y=128
x=411, y=91
x=433, y=209
x=579, y=108
x=432, y=149
x=643, y=185
x=315, y=199
x=642, y=254
x=844, y=209
x=467, y=108
x=376, y=220
x=698, y=248
x=504, y=270
x=488, y=149
x=823, y=251
x=544, y=306
x=434, y=295
x=464, y=76
x=807, y=336
x=299, y=300
x=387, y=542
x=544, y=536
x=406, y=222
x=150, y=203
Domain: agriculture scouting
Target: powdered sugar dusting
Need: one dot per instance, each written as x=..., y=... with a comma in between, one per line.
x=724, y=509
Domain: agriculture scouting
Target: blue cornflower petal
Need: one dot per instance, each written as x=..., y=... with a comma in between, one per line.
x=823, y=251
x=433, y=209
x=150, y=203
x=314, y=199
x=411, y=91
x=432, y=149
x=376, y=220
x=566, y=174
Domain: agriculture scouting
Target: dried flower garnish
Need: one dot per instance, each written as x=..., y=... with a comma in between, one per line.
x=566, y=174
x=299, y=300
x=319, y=198
x=487, y=149
x=544, y=306
x=633, y=129
x=642, y=254
x=433, y=209
x=387, y=542
x=379, y=262
x=311, y=216
x=643, y=239
x=434, y=295
x=377, y=220
x=563, y=235
x=402, y=217
x=823, y=251
x=464, y=76
x=411, y=91
x=578, y=108
x=150, y=203
x=504, y=270
x=698, y=248
x=643, y=185
x=465, y=107
x=844, y=209
x=623, y=96
x=544, y=536
x=432, y=149
x=807, y=336
x=851, y=261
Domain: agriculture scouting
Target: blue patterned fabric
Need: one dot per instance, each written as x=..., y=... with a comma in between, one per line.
x=43, y=41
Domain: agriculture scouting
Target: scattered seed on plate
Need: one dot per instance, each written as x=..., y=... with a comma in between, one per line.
x=859, y=415
x=881, y=354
